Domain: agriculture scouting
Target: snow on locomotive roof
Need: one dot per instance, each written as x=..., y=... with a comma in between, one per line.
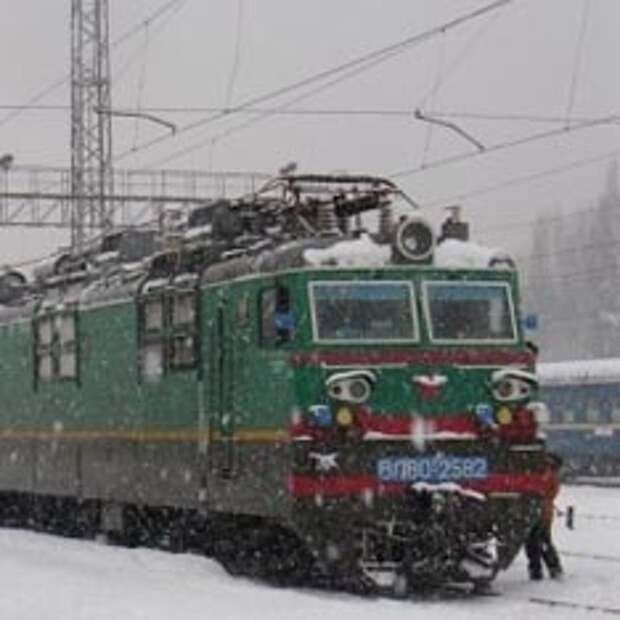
x=579, y=371
x=362, y=252
x=365, y=252
x=468, y=255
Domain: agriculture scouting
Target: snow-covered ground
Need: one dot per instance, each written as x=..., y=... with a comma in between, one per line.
x=44, y=577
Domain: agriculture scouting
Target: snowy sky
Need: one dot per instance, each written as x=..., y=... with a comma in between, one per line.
x=529, y=57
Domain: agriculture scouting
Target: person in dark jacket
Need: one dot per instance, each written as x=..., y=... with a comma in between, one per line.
x=539, y=544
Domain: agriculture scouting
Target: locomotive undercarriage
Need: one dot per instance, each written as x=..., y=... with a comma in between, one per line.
x=164, y=527
x=421, y=542
x=246, y=545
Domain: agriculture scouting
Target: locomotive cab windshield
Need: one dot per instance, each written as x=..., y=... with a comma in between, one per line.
x=459, y=312
x=363, y=312
x=366, y=312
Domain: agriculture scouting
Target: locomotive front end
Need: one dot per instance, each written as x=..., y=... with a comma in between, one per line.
x=415, y=456
x=385, y=419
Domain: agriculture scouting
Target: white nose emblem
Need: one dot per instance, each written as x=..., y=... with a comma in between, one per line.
x=325, y=462
x=430, y=385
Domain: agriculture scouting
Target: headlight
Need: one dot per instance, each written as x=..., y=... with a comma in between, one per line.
x=504, y=416
x=344, y=417
x=351, y=387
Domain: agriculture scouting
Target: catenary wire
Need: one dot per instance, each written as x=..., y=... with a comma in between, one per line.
x=513, y=182
x=153, y=32
x=567, y=251
x=39, y=95
x=523, y=180
x=433, y=97
x=369, y=57
x=321, y=112
x=284, y=109
x=214, y=138
x=236, y=55
x=531, y=118
x=141, y=84
x=577, y=62
x=501, y=146
x=461, y=55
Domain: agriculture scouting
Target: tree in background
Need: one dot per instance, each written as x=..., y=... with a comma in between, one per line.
x=572, y=280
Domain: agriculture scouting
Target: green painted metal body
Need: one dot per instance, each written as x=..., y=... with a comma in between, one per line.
x=267, y=387
x=261, y=386
x=218, y=435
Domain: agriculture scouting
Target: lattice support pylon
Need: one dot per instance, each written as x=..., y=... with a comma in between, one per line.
x=91, y=126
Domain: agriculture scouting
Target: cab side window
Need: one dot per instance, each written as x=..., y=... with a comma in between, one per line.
x=277, y=321
x=183, y=346
x=152, y=341
x=56, y=346
x=168, y=333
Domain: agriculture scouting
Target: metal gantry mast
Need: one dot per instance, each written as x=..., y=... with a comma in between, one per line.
x=90, y=197
x=91, y=127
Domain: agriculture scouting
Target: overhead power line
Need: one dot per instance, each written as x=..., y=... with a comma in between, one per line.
x=321, y=112
x=236, y=55
x=537, y=137
x=34, y=99
x=531, y=118
x=319, y=88
x=422, y=116
x=528, y=223
x=524, y=180
x=52, y=87
x=576, y=275
x=460, y=56
x=370, y=58
x=588, y=247
x=147, y=27
x=577, y=62
x=147, y=21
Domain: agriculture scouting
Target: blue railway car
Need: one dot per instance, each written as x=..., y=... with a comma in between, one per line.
x=583, y=398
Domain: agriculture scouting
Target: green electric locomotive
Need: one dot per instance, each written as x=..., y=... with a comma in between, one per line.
x=304, y=382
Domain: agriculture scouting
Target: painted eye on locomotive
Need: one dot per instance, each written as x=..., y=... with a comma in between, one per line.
x=353, y=387
x=512, y=385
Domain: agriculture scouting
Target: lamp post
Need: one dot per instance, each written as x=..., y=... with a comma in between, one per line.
x=6, y=161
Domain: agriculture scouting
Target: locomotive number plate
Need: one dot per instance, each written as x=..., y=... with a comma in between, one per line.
x=432, y=468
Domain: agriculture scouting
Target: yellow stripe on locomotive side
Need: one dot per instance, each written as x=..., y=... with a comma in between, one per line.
x=247, y=435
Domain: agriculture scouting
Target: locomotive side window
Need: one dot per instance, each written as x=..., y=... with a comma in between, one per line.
x=152, y=358
x=56, y=351
x=168, y=325
x=152, y=337
x=363, y=311
x=182, y=342
x=44, y=353
x=46, y=367
x=184, y=308
x=45, y=331
x=67, y=364
x=277, y=322
x=470, y=312
x=182, y=352
x=154, y=313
